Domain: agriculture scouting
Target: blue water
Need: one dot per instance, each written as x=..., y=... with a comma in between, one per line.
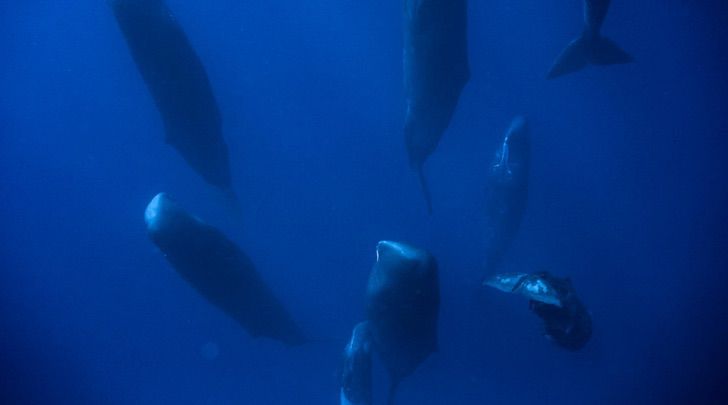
x=628, y=197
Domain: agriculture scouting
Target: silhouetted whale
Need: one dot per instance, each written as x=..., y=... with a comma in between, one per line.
x=553, y=299
x=218, y=270
x=356, y=377
x=179, y=85
x=435, y=71
x=507, y=191
x=403, y=301
x=591, y=47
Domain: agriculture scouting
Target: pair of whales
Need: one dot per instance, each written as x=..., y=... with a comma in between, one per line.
x=402, y=307
x=403, y=296
x=436, y=68
x=553, y=299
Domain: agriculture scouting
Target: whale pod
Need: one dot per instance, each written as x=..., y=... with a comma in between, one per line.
x=214, y=266
x=178, y=83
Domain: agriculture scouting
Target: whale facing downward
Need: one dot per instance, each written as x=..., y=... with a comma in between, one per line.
x=214, y=266
x=436, y=69
x=178, y=83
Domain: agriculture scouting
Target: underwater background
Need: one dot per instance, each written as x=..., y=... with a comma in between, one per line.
x=628, y=196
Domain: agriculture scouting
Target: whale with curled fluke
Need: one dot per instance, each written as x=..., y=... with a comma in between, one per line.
x=436, y=69
x=566, y=321
x=403, y=302
x=507, y=194
x=178, y=83
x=356, y=377
x=214, y=266
x=591, y=47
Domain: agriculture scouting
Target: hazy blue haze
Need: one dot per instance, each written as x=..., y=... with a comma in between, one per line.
x=629, y=189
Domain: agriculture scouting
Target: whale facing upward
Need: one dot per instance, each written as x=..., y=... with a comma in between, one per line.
x=403, y=301
x=356, y=377
x=591, y=47
x=178, y=83
x=507, y=192
x=436, y=69
x=215, y=267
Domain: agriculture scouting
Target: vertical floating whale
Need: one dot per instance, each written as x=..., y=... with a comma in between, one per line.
x=436, y=69
x=591, y=47
x=566, y=320
x=179, y=86
x=507, y=191
x=403, y=301
x=356, y=377
x=218, y=270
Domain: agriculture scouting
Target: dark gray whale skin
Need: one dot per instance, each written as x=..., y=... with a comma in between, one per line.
x=179, y=85
x=507, y=192
x=403, y=301
x=215, y=267
x=436, y=69
x=356, y=376
x=568, y=325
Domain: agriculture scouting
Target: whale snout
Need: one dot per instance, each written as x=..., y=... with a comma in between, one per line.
x=160, y=211
x=387, y=249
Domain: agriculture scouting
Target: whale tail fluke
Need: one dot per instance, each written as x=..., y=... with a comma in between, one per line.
x=607, y=52
x=425, y=188
x=588, y=49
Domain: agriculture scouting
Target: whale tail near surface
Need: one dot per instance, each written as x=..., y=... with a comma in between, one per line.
x=585, y=50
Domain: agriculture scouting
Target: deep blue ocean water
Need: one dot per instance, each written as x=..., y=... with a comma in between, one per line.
x=628, y=196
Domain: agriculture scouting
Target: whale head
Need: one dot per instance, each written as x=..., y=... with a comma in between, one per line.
x=389, y=250
x=163, y=216
x=511, y=160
